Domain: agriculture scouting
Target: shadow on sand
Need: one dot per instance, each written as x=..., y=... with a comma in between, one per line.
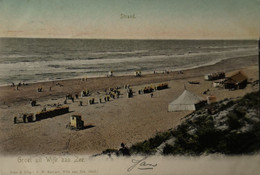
x=88, y=126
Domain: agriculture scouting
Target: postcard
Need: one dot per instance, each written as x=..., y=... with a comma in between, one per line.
x=129, y=87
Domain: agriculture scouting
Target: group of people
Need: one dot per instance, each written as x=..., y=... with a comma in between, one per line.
x=70, y=97
x=17, y=86
x=151, y=89
x=145, y=90
x=113, y=92
x=126, y=86
x=39, y=89
x=180, y=72
x=85, y=93
x=84, y=79
x=109, y=93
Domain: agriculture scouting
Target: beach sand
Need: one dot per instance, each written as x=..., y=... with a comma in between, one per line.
x=127, y=120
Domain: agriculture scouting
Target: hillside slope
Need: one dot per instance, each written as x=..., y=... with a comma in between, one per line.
x=231, y=126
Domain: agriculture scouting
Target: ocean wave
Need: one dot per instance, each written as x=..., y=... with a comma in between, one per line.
x=56, y=59
x=119, y=52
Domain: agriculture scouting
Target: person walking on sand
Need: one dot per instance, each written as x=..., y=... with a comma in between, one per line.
x=151, y=95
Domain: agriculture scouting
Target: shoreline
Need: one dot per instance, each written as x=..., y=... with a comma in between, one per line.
x=96, y=75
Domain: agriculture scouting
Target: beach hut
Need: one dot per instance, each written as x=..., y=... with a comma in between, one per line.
x=138, y=73
x=76, y=122
x=187, y=101
x=214, y=76
x=218, y=83
x=110, y=73
x=236, y=81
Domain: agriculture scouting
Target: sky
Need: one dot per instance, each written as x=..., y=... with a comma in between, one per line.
x=153, y=19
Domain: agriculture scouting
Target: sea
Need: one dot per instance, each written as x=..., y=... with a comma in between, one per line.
x=29, y=60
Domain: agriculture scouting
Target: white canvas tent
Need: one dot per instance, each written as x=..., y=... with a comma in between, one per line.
x=187, y=101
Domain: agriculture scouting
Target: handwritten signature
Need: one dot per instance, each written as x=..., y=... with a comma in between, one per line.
x=141, y=165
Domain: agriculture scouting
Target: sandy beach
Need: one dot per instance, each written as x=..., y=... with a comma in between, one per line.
x=127, y=120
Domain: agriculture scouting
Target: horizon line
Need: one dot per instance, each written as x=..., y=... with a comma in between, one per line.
x=258, y=38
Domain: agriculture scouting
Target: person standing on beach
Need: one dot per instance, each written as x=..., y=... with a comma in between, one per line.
x=124, y=150
x=24, y=118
